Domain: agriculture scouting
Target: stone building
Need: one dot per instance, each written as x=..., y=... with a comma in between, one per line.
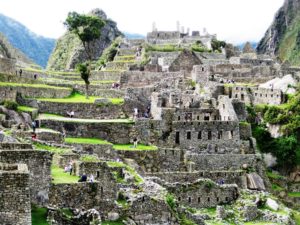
x=15, y=206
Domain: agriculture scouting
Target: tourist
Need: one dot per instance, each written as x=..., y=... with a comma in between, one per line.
x=33, y=136
x=135, y=142
x=71, y=167
x=35, y=76
x=63, y=133
x=67, y=169
x=135, y=113
x=71, y=114
x=92, y=179
x=83, y=178
x=20, y=72
x=33, y=125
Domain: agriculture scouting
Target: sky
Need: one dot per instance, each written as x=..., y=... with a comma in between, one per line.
x=234, y=21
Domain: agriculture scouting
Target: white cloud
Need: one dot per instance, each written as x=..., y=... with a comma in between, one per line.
x=231, y=20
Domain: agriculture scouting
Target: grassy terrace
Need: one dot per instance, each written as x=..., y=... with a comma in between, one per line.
x=55, y=150
x=294, y=194
x=44, y=86
x=60, y=177
x=75, y=120
x=140, y=147
x=49, y=72
x=91, y=141
x=72, y=82
x=26, y=109
x=78, y=98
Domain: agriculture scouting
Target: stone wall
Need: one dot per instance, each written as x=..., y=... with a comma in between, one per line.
x=106, y=75
x=105, y=151
x=256, y=95
x=226, y=162
x=7, y=66
x=115, y=132
x=227, y=112
x=38, y=163
x=161, y=160
x=229, y=177
x=86, y=195
x=203, y=193
x=140, y=78
x=14, y=146
x=8, y=94
x=185, y=61
x=207, y=136
x=81, y=110
x=40, y=92
x=15, y=205
x=257, y=62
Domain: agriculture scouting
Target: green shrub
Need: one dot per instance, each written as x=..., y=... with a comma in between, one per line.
x=12, y=105
x=272, y=114
x=170, y=199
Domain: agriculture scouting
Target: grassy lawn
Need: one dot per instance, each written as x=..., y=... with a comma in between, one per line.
x=296, y=216
x=91, y=141
x=6, y=84
x=76, y=120
x=51, y=72
x=55, y=150
x=39, y=216
x=274, y=175
x=26, y=109
x=60, y=177
x=78, y=98
x=112, y=223
x=276, y=187
x=294, y=194
x=140, y=147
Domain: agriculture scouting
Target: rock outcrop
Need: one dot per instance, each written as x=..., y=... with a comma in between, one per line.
x=282, y=39
x=10, y=52
x=69, y=50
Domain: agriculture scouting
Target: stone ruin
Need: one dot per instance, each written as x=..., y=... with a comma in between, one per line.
x=205, y=157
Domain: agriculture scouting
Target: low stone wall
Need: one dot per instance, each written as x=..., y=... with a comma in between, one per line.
x=38, y=92
x=104, y=151
x=86, y=195
x=38, y=163
x=15, y=205
x=81, y=110
x=15, y=146
x=118, y=133
x=105, y=92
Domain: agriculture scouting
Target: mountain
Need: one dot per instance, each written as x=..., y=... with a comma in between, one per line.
x=8, y=51
x=253, y=45
x=282, y=39
x=36, y=47
x=133, y=35
x=69, y=50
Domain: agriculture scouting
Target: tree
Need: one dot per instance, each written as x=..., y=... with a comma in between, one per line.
x=88, y=29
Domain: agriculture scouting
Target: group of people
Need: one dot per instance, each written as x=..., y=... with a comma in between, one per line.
x=33, y=133
x=83, y=178
x=115, y=86
x=227, y=81
x=71, y=114
x=137, y=114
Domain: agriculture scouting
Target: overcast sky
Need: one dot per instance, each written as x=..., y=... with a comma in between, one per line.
x=232, y=20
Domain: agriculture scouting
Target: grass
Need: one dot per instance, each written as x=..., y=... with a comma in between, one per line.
x=79, y=98
x=44, y=86
x=49, y=72
x=276, y=187
x=89, y=158
x=137, y=177
x=91, y=141
x=55, y=150
x=294, y=194
x=60, y=177
x=22, y=108
x=76, y=120
x=140, y=147
x=260, y=223
x=296, y=216
x=39, y=216
x=274, y=175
